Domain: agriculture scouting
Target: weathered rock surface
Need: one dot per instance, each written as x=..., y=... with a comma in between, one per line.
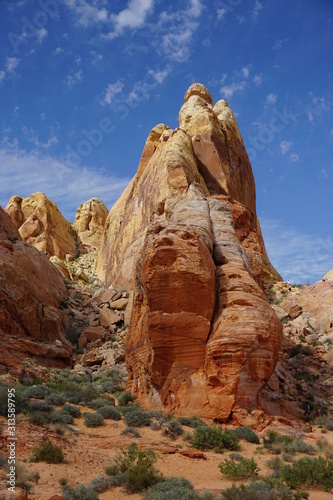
x=30, y=293
x=41, y=224
x=89, y=222
x=203, y=338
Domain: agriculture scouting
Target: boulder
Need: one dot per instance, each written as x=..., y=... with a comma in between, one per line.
x=41, y=224
x=91, y=334
x=108, y=317
x=89, y=222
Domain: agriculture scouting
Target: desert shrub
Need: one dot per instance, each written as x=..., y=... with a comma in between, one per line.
x=39, y=406
x=37, y=391
x=74, y=411
x=138, y=468
x=236, y=456
x=261, y=490
x=326, y=448
x=175, y=488
x=80, y=493
x=278, y=443
x=40, y=418
x=55, y=399
x=128, y=409
x=214, y=438
x=173, y=429
x=103, y=483
x=155, y=426
x=131, y=431
x=61, y=417
x=93, y=419
x=243, y=469
x=248, y=434
x=49, y=453
x=137, y=418
x=98, y=403
x=275, y=464
x=110, y=412
x=21, y=400
x=193, y=422
x=125, y=398
x=327, y=422
x=315, y=472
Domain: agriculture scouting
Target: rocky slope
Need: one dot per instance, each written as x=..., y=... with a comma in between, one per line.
x=31, y=292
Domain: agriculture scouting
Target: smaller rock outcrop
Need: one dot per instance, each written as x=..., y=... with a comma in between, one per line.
x=30, y=294
x=41, y=224
x=89, y=222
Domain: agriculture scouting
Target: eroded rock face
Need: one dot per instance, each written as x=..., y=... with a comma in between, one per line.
x=30, y=293
x=41, y=224
x=203, y=338
x=89, y=222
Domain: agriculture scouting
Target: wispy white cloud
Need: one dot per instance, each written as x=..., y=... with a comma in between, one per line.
x=297, y=256
x=2, y=76
x=111, y=91
x=58, y=50
x=41, y=34
x=294, y=157
x=257, y=80
x=87, y=14
x=33, y=137
x=271, y=98
x=317, y=107
x=134, y=16
x=96, y=58
x=11, y=64
x=285, y=147
x=257, y=8
x=245, y=72
x=73, y=78
x=23, y=173
x=229, y=90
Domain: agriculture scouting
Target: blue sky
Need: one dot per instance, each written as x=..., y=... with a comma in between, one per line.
x=82, y=82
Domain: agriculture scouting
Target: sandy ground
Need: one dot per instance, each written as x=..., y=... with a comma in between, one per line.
x=89, y=451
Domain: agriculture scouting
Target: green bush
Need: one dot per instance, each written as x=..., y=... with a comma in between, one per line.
x=138, y=469
x=248, y=434
x=37, y=391
x=236, y=456
x=243, y=469
x=49, y=453
x=93, y=419
x=99, y=403
x=315, y=472
x=193, y=422
x=74, y=411
x=261, y=490
x=131, y=431
x=110, y=412
x=125, y=398
x=21, y=400
x=55, y=399
x=103, y=483
x=61, y=417
x=175, y=488
x=40, y=418
x=137, y=418
x=214, y=438
x=173, y=429
x=80, y=493
x=39, y=406
x=278, y=443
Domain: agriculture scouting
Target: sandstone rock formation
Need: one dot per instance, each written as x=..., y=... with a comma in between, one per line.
x=89, y=222
x=216, y=163
x=41, y=224
x=203, y=338
x=30, y=294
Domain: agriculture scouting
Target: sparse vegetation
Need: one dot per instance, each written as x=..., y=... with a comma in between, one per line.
x=74, y=411
x=110, y=412
x=176, y=488
x=80, y=493
x=49, y=453
x=214, y=438
x=173, y=429
x=93, y=419
x=193, y=422
x=137, y=418
x=131, y=431
x=243, y=469
x=248, y=434
x=308, y=471
x=138, y=468
x=278, y=443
